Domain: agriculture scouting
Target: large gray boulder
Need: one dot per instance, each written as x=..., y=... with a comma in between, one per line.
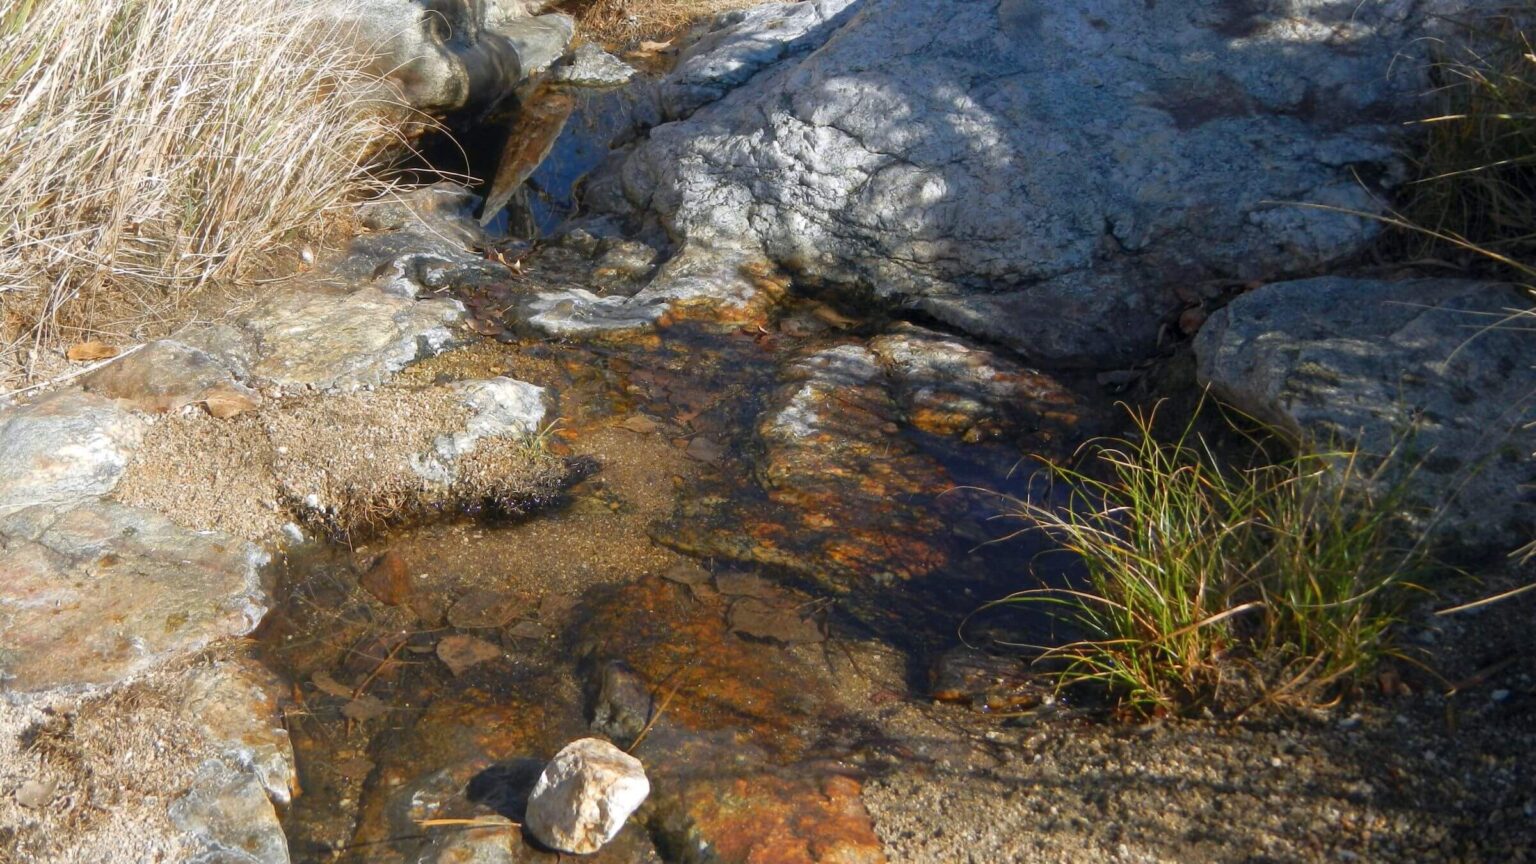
x=1432, y=368
x=454, y=55
x=1040, y=173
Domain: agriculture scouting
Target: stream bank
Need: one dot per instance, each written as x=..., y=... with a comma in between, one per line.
x=749, y=524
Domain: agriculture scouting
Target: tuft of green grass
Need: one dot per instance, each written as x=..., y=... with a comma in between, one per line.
x=1198, y=575
x=150, y=146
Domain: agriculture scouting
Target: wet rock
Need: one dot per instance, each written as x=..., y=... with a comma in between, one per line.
x=767, y=817
x=622, y=261
x=102, y=592
x=538, y=124
x=585, y=795
x=461, y=653
x=986, y=682
x=755, y=696
x=591, y=66
x=484, y=609
x=469, y=753
x=786, y=625
x=705, y=450
x=1004, y=172
x=687, y=573
x=497, y=842
x=624, y=704
x=63, y=448
x=388, y=580
x=227, y=814
x=948, y=387
x=579, y=312
x=1421, y=366
x=829, y=455
x=237, y=707
x=166, y=375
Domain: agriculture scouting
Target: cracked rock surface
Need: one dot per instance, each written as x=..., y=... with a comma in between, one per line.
x=1039, y=174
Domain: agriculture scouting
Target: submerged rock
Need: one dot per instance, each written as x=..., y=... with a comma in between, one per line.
x=585, y=795
x=1039, y=174
x=1433, y=369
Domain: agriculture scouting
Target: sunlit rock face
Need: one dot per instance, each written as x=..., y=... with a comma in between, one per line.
x=449, y=56
x=103, y=592
x=1043, y=174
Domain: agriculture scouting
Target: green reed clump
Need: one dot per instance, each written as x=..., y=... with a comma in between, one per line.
x=1198, y=574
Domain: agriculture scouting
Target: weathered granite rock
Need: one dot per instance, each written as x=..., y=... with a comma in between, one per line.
x=323, y=341
x=1425, y=366
x=227, y=812
x=591, y=66
x=539, y=41
x=236, y=704
x=499, y=407
x=166, y=375
x=102, y=592
x=451, y=55
x=1040, y=174
x=63, y=448
x=585, y=795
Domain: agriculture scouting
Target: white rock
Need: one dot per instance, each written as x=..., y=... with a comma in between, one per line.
x=64, y=448
x=584, y=795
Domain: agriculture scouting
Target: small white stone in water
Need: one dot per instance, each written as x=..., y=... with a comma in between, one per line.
x=585, y=795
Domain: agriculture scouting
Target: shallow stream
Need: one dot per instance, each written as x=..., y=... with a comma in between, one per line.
x=761, y=590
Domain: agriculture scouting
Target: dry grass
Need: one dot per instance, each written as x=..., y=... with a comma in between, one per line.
x=1476, y=190
x=147, y=148
x=625, y=23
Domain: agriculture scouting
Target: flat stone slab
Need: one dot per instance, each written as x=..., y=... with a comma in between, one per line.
x=64, y=448
x=347, y=341
x=1423, y=367
x=102, y=592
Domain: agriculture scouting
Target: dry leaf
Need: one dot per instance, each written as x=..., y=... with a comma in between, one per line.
x=654, y=47
x=364, y=708
x=92, y=350
x=224, y=404
x=459, y=653
x=330, y=686
x=639, y=424
x=480, y=608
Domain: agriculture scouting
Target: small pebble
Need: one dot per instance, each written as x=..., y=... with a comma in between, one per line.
x=34, y=794
x=1499, y=695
